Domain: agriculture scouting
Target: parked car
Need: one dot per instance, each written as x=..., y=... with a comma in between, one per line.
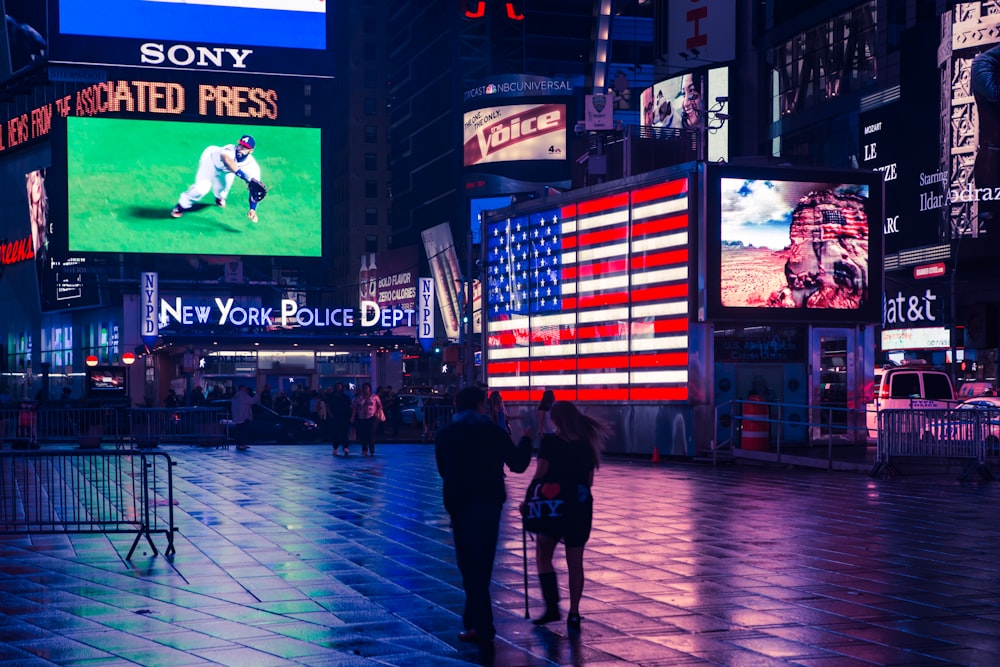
x=911, y=385
x=269, y=426
x=976, y=420
x=976, y=389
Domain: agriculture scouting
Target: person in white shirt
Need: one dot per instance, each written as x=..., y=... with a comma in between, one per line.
x=365, y=411
x=242, y=408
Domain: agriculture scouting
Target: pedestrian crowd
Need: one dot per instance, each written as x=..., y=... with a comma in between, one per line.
x=343, y=417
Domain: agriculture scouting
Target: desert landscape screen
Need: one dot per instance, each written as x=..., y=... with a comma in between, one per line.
x=792, y=244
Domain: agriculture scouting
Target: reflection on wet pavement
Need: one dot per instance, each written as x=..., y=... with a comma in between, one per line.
x=288, y=556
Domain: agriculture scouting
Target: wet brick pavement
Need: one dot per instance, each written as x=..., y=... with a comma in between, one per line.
x=289, y=556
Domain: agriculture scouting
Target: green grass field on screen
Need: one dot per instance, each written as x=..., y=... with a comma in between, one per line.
x=124, y=176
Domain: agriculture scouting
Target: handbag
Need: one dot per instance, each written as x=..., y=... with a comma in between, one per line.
x=544, y=507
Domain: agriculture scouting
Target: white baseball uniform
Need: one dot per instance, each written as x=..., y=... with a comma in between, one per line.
x=215, y=176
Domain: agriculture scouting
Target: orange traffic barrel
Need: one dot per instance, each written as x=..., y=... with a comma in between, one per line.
x=756, y=429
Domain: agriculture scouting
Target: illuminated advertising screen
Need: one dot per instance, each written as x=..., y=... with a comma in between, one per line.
x=62, y=283
x=123, y=201
x=504, y=133
x=448, y=284
x=106, y=380
x=963, y=184
x=200, y=97
x=515, y=134
x=392, y=278
x=899, y=140
x=674, y=102
x=255, y=36
x=793, y=245
x=591, y=298
x=697, y=100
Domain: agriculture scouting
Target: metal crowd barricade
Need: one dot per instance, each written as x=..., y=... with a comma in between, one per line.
x=31, y=424
x=912, y=433
x=771, y=430
x=435, y=418
x=103, y=491
x=206, y=427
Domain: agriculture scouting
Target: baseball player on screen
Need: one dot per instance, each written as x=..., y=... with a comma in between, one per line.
x=218, y=168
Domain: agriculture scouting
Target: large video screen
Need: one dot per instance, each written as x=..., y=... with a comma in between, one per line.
x=124, y=178
x=503, y=133
x=697, y=100
x=260, y=36
x=591, y=299
x=801, y=246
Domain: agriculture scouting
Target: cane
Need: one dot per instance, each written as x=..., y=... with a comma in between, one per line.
x=524, y=553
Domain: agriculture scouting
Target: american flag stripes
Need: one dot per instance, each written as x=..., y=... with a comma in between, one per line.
x=591, y=299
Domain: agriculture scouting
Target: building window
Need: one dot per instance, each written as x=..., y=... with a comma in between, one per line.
x=371, y=104
x=368, y=25
x=371, y=189
x=369, y=50
x=370, y=78
x=828, y=60
x=371, y=244
x=371, y=217
x=371, y=134
x=371, y=161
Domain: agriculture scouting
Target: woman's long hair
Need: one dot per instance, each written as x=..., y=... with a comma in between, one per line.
x=496, y=405
x=548, y=400
x=574, y=425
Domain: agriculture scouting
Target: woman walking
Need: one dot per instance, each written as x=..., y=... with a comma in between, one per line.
x=364, y=415
x=498, y=411
x=568, y=456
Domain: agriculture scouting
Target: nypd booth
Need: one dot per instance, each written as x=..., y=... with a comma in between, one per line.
x=217, y=340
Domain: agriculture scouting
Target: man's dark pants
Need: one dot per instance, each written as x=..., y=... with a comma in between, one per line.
x=475, y=529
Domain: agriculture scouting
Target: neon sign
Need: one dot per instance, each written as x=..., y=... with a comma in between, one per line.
x=227, y=312
x=13, y=252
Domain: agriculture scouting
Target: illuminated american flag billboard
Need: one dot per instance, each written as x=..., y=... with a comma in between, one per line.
x=591, y=299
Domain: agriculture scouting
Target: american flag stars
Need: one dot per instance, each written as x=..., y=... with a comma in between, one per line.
x=524, y=278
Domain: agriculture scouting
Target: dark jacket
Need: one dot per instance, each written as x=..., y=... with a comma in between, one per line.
x=340, y=407
x=471, y=452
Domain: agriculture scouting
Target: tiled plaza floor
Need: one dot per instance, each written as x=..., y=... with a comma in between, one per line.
x=289, y=556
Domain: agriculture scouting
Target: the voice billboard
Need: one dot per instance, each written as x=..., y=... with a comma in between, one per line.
x=515, y=132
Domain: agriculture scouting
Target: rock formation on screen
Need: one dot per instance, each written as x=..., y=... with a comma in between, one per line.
x=827, y=260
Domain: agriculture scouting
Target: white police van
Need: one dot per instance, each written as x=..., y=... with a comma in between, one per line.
x=910, y=385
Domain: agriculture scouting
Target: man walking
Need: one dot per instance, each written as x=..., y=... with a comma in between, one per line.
x=242, y=404
x=340, y=418
x=471, y=453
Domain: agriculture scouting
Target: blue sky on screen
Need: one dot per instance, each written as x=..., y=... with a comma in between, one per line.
x=292, y=24
x=759, y=212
